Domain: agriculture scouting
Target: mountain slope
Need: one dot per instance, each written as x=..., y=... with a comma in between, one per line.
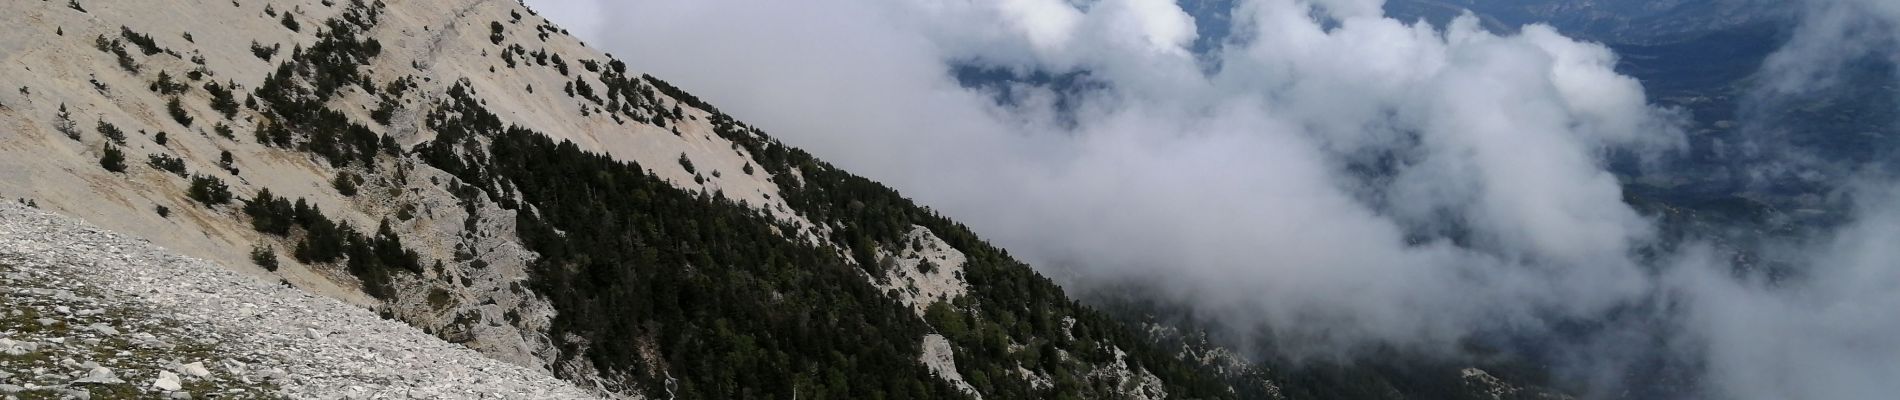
x=470, y=169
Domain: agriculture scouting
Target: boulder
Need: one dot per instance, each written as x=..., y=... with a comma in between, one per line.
x=167, y=381
x=99, y=376
x=196, y=369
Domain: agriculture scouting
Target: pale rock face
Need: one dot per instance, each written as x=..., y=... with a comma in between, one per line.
x=1132, y=381
x=487, y=287
x=942, y=360
x=1498, y=389
x=1494, y=388
x=1036, y=380
x=924, y=270
x=1201, y=350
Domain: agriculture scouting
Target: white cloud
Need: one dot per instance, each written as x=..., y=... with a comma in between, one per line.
x=1161, y=24
x=1832, y=34
x=1234, y=185
x=1826, y=333
x=1047, y=24
x=1241, y=191
x=1825, y=330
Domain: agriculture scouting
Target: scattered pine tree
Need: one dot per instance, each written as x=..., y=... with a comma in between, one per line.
x=111, y=132
x=264, y=256
x=345, y=184
x=112, y=159
x=263, y=53
x=145, y=42
x=222, y=99
x=177, y=110
x=209, y=190
x=167, y=163
x=63, y=122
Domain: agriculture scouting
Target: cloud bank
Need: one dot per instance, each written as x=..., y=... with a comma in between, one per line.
x=1827, y=332
x=1345, y=179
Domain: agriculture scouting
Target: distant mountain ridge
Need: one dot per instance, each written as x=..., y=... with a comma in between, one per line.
x=1620, y=22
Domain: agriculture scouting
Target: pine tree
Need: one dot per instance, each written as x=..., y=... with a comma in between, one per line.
x=168, y=163
x=209, y=190
x=344, y=183
x=111, y=132
x=64, y=123
x=687, y=163
x=113, y=159
x=222, y=99
x=177, y=110
x=264, y=256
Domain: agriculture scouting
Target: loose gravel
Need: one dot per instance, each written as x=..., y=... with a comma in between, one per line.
x=88, y=313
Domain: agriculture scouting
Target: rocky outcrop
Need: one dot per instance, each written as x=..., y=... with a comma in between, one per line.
x=923, y=270
x=1489, y=386
x=941, y=359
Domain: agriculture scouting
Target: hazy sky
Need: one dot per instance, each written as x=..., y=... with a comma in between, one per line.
x=1347, y=179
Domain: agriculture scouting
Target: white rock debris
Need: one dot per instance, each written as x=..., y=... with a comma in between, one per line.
x=1498, y=389
x=100, y=375
x=1036, y=380
x=938, y=356
x=167, y=381
x=1132, y=381
x=196, y=369
x=924, y=270
x=173, y=306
